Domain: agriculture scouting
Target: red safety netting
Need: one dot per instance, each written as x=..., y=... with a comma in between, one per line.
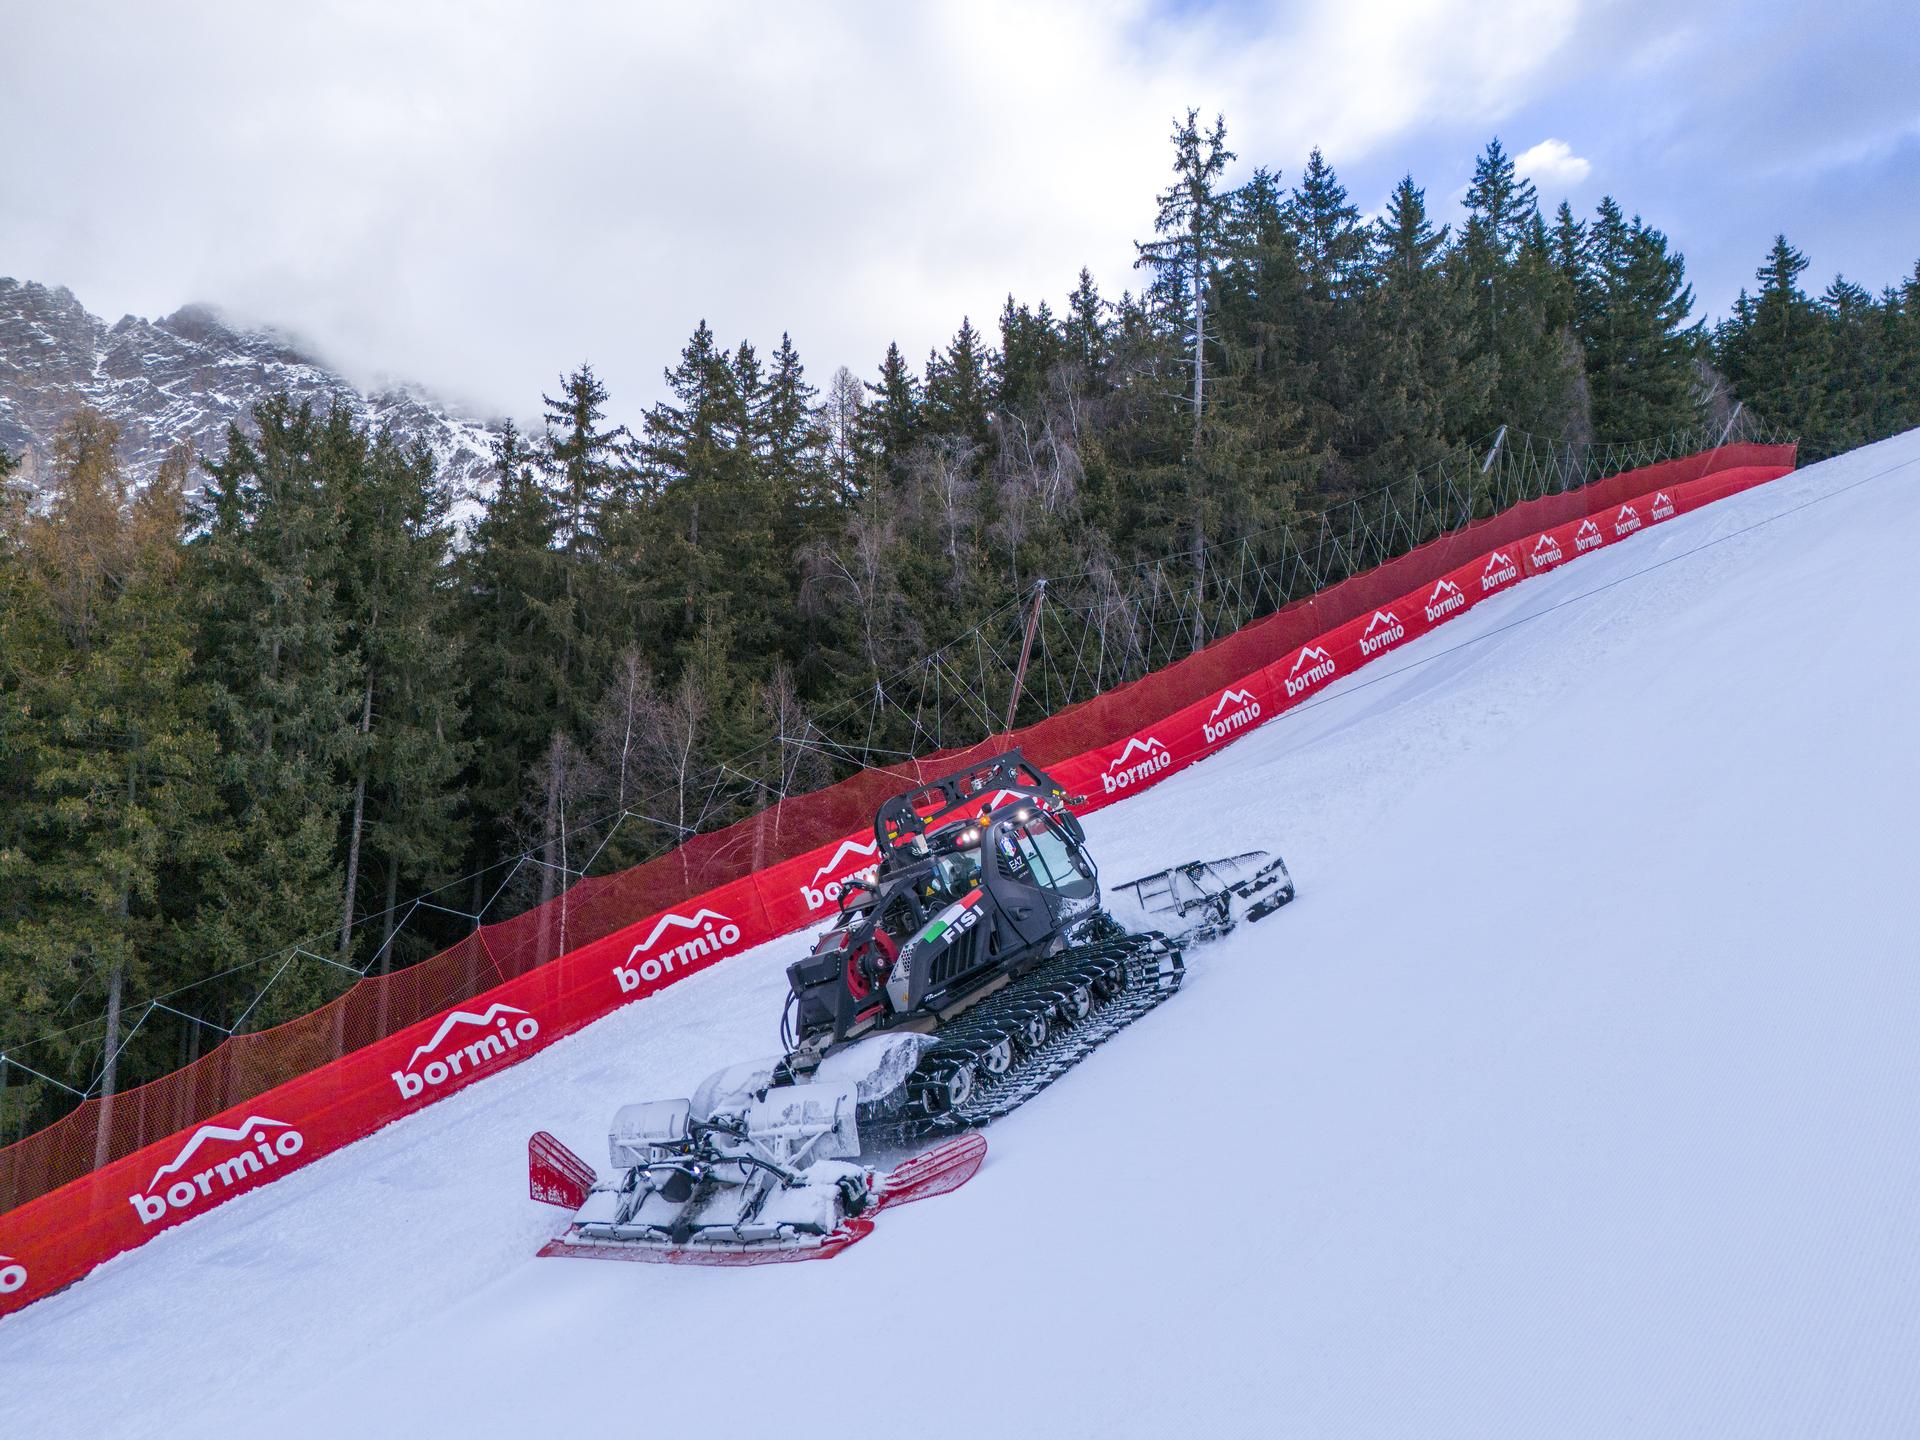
x=377, y=1007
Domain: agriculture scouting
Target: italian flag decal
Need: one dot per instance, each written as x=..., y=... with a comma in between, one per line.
x=943, y=922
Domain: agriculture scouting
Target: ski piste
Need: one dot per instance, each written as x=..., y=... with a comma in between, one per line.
x=1508, y=1123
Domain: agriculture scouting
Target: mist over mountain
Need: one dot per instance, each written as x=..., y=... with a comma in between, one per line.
x=184, y=377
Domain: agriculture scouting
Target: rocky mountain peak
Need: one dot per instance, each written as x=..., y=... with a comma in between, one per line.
x=184, y=377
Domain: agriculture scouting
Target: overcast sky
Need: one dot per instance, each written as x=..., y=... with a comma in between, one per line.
x=480, y=195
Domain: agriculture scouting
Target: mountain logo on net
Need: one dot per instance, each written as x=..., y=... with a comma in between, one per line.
x=1445, y=599
x=836, y=872
x=512, y=1027
x=13, y=1275
x=253, y=1148
x=1587, y=537
x=1546, y=552
x=1245, y=711
x=1627, y=521
x=1313, y=666
x=1383, y=630
x=1119, y=774
x=1500, y=569
x=712, y=933
x=1663, y=506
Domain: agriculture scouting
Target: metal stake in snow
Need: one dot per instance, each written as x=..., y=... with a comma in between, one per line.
x=1026, y=649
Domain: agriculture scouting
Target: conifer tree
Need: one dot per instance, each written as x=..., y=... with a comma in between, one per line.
x=1332, y=249
x=846, y=461
x=515, y=617
x=1507, y=261
x=1421, y=390
x=271, y=647
x=1638, y=348
x=1084, y=329
x=1192, y=215
x=716, y=506
x=408, y=747
x=1031, y=349
x=959, y=387
x=893, y=418
x=1774, y=348
x=119, y=811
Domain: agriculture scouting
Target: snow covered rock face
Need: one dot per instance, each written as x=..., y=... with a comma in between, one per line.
x=181, y=378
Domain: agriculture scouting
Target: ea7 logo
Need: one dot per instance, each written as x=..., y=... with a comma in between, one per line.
x=1627, y=521
x=1587, y=537
x=1224, y=721
x=1500, y=569
x=712, y=933
x=852, y=858
x=1445, y=599
x=1663, y=506
x=13, y=1275
x=1312, y=666
x=1383, y=630
x=1119, y=774
x=512, y=1027
x=253, y=1147
x=1546, y=553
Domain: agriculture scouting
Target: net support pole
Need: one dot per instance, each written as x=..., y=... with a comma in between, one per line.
x=1732, y=420
x=1499, y=440
x=1026, y=650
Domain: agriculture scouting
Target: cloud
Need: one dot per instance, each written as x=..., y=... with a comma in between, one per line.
x=1552, y=162
x=480, y=197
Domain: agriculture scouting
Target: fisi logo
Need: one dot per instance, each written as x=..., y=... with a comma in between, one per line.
x=258, y=1148
x=513, y=1027
x=712, y=933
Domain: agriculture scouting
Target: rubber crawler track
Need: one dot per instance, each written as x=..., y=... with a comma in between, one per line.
x=1028, y=1034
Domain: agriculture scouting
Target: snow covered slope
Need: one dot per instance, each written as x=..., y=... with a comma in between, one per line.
x=1577, y=1095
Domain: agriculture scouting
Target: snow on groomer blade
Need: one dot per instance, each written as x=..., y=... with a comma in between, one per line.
x=733, y=1190
x=967, y=971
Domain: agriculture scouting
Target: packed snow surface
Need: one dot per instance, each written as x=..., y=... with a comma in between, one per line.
x=1578, y=1094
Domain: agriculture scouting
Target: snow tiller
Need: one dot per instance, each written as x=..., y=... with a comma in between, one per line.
x=1213, y=896
x=966, y=972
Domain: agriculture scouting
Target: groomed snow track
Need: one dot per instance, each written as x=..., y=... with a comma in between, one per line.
x=1577, y=1095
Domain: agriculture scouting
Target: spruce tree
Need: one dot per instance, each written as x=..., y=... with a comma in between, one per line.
x=959, y=387
x=408, y=747
x=1421, y=391
x=517, y=620
x=1773, y=349
x=271, y=646
x=118, y=813
x=1637, y=345
x=1507, y=261
x=1190, y=222
x=893, y=419
x=1084, y=330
